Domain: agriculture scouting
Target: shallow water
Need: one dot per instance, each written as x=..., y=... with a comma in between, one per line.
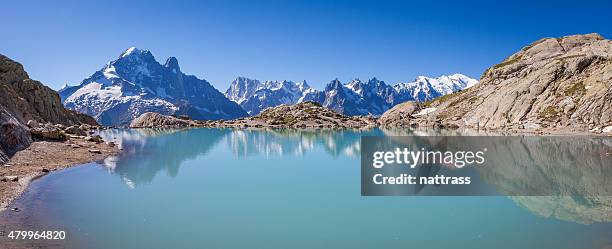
x=221, y=188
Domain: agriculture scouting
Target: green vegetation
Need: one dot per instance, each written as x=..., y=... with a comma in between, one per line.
x=571, y=56
x=549, y=113
x=576, y=89
x=310, y=110
x=507, y=62
x=533, y=44
x=442, y=98
x=289, y=120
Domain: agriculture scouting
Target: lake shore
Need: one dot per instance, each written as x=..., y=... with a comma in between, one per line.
x=43, y=157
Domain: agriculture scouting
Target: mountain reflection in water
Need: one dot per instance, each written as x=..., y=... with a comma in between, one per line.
x=536, y=162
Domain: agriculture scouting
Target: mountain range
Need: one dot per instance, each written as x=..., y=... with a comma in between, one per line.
x=356, y=97
x=136, y=83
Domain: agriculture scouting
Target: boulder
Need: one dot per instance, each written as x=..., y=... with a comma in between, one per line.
x=9, y=178
x=95, y=139
x=400, y=115
x=75, y=130
x=48, y=133
x=33, y=124
x=14, y=136
x=95, y=151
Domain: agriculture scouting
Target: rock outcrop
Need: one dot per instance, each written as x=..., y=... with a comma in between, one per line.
x=24, y=100
x=401, y=115
x=553, y=84
x=28, y=99
x=14, y=136
x=303, y=115
x=155, y=120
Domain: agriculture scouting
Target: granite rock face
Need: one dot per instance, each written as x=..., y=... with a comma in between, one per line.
x=28, y=99
x=24, y=100
x=153, y=120
x=401, y=115
x=554, y=83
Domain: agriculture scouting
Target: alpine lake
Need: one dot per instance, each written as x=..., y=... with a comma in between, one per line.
x=232, y=188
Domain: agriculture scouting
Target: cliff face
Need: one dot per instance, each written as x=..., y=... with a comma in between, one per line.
x=554, y=83
x=23, y=99
x=28, y=99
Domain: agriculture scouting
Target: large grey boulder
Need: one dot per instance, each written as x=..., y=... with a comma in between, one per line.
x=14, y=136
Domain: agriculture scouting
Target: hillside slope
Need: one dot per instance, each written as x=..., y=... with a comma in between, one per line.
x=553, y=84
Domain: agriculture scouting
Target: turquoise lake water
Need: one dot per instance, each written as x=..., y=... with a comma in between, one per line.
x=222, y=188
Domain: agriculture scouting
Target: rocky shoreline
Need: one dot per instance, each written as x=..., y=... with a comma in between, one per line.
x=311, y=115
x=42, y=157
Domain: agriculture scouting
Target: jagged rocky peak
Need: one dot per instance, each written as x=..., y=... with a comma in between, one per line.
x=241, y=89
x=554, y=84
x=356, y=97
x=255, y=96
x=172, y=64
x=136, y=83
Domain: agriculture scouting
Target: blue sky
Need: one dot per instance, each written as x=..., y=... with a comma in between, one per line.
x=65, y=41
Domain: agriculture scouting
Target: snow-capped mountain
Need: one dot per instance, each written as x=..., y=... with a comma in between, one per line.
x=425, y=88
x=352, y=98
x=375, y=96
x=254, y=96
x=136, y=83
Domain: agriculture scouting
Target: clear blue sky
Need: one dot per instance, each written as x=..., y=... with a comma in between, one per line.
x=63, y=42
